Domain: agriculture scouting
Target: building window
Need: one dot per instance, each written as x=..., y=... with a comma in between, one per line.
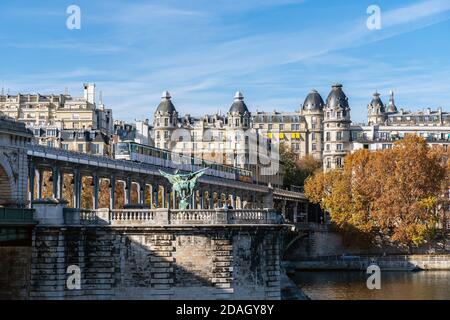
x=313, y=136
x=166, y=122
x=328, y=163
x=339, y=162
x=338, y=136
x=50, y=143
x=236, y=122
x=80, y=147
x=281, y=126
x=64, y=146
x=51, y=133
x=327, y=147
x=95, y=149
x=313, y=147
x=327, y=136
x=339, y=147
x=270, y=126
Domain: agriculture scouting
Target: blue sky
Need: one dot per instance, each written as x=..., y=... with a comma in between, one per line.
x=202, y=51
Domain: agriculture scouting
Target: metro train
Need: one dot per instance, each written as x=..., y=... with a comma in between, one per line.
x=130, y=150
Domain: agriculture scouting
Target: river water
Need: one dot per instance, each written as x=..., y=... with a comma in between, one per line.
x=395, y=285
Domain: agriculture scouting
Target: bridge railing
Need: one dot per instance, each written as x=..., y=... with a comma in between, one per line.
x=134, y=216
x=156, y=217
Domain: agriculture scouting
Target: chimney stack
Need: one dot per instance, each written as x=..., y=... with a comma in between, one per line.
x=89, y=92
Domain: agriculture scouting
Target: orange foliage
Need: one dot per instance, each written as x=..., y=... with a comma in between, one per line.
x=391, y=193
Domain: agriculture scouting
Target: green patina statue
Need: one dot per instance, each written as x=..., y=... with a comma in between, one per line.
x=183, y=184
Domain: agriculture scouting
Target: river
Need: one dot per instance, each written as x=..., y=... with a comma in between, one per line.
x=395, y=285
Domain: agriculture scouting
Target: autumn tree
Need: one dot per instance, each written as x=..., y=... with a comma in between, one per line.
x=296, y=170
x=390, y=194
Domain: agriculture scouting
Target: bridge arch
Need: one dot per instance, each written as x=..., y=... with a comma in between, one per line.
x=6, y=188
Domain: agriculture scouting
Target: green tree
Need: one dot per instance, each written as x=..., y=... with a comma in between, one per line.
x=297, y=170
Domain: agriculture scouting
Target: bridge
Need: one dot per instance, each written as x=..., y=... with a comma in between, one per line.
x=154, y=251
x=213, y=192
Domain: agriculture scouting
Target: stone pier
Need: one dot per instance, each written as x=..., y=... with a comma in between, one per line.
x=158, y=254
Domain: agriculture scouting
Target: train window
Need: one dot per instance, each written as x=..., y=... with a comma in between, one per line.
x=122, y=148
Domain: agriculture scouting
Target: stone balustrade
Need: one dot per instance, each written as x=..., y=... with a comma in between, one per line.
x=156, y=217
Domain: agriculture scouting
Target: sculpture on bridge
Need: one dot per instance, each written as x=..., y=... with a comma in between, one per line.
x=183, y=184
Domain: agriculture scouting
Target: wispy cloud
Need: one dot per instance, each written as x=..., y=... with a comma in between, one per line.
x=82, y=47
x=415, y=12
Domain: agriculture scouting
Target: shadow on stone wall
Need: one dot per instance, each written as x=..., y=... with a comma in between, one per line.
x=157, y=263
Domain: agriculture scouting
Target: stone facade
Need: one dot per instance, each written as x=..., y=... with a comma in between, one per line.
x=13, y=163
x=321, y=129
x=236, y=262
x=63, y=121
x=15, y=264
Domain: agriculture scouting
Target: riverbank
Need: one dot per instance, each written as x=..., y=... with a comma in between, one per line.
x=387, y=263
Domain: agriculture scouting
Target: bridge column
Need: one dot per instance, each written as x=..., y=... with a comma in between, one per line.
x=31, y=183
x=193, y=200
x=167, y=197
x=233, y=199
x=202, y=198
x=225, y=199
x=154, y=200
x=95, y=191
x=240, y=205
x=141, y=193
x=61, y=184
x=128, y=184
x=173, y=194
x=245, y=200
x=283, y=208
x=112, y=192
x=219, y=199
x=76, y=189
x=56, y=177
x=210, y=199
x=39, y=175
x=294, y=213
x=163, y=197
